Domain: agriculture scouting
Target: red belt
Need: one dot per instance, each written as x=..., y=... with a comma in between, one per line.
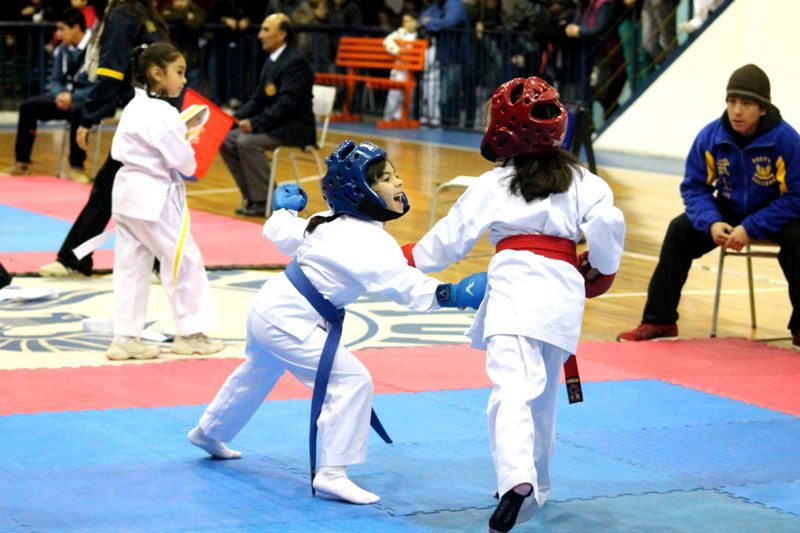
x=552, y=247
x=564, y=250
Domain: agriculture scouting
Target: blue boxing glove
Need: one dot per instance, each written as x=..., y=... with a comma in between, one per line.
x=469, y=292
x=289, y=196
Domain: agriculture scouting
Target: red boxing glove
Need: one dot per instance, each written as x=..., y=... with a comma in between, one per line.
x=598, y=285
x=407, y=248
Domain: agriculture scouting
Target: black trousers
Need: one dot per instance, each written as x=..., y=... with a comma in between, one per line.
x=43, y=107
x=683, y=244
x=93, y=218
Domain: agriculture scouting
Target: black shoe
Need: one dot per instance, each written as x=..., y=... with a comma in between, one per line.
x=505, y=515
x=254, y=209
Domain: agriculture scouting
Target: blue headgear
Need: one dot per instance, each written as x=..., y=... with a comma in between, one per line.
x=345, y=187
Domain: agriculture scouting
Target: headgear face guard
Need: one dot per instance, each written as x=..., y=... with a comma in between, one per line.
x=345, y=187
x=526, y=118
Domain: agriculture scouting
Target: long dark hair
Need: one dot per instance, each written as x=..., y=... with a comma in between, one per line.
x=539, y=176
x=374, y=171
x=152, y=15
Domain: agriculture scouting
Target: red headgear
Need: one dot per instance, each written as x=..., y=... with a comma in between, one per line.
x=526, y=118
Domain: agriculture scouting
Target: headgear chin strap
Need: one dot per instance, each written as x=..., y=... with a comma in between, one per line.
x=345, y=187
x=526, y=117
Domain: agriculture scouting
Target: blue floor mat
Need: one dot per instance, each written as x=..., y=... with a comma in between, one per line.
x=133, y=470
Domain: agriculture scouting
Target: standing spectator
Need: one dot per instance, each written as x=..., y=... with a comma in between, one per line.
x=702, y=9
x=345, y=13
x=68, y=89
x=395, y=97
x=607, y=76
x=742, y=183
x=278, y=113
x=316, y=45
x=88, y=10
x=658, y=27
x=485, y=71
x=230, y=47
x=447, y=22
x=126, y=24
x=189, y=18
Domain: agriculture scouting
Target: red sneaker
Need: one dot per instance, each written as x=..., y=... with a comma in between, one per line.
x=646, y=332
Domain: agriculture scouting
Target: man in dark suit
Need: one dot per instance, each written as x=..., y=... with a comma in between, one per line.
x=278, y=113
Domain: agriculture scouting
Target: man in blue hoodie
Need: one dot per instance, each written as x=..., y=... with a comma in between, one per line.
x=742, y=183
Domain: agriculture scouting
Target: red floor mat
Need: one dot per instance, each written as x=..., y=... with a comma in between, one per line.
x=736, y=368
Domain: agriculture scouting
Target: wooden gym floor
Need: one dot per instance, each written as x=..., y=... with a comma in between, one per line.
x=648, y=199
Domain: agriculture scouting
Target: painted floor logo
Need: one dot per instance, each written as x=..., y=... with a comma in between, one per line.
x=32, y=331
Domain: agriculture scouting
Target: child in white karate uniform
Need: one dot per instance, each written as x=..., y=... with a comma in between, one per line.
x=342, y=254
x=149, y=208
x=395, y=97
x=535, y=204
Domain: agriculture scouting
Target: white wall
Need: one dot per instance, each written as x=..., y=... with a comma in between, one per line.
x=690, y=93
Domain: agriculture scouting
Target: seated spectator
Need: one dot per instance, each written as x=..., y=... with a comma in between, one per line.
x=279, y=113
x=88, y=10
x=68, y=89
x=742, y=182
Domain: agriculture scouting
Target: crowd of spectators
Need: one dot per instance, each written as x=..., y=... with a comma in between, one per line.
x=473, y=44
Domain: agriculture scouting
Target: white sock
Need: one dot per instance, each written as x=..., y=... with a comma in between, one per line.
x=215, y=448
x=333, y=481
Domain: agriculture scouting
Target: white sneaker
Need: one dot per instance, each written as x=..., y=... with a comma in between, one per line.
x=197, y=344
x=56, y=269
x=132, y=349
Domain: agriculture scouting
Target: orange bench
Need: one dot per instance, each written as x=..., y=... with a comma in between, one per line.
x=356, y=53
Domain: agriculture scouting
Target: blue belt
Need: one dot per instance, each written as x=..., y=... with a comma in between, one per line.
x=335, y=318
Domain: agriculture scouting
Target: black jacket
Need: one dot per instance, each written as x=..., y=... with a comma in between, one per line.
x=282, y=104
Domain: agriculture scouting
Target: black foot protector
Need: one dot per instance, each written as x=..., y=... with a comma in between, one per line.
x=505, y=515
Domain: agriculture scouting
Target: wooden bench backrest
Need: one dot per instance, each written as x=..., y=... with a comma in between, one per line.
x=369, y=52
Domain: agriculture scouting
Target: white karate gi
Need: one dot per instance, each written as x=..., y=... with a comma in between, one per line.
x=343, y=259
x=394, y=97
x=530, y=320
x=149, y=206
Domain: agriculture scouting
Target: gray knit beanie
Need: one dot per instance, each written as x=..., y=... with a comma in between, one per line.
x=750, y=81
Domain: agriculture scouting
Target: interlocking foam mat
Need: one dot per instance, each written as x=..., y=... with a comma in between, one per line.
x=672, y=436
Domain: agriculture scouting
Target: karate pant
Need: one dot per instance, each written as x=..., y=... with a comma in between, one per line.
x=137, y=242
x=343, y=424
x=526, y=374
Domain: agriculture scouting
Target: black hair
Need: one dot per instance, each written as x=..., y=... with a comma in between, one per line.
x=286, y=26
x=145, y=56
x=374, y=171
x=539, y=176
x=72, y=16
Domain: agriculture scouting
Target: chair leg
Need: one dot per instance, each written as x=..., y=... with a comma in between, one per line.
x=64, y=146
x=272, y=175
x=433, y=204
x=294, y=167
x=752, y=291
x=717, y=294
x=319, y=164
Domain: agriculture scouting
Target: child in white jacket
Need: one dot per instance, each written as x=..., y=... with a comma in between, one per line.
x=149, y=208
x=394, y=98
x=296, y=325
x=535, y=204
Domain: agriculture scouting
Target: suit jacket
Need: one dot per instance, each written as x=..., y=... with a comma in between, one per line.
x=282, y=104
